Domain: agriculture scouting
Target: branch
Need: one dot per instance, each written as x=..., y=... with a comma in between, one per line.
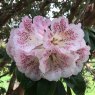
x=1, y=0
x=81, y=15
x=11, y=85
x=89, y=16
x=69, y=91
x=18, y=91
x=7, y=14
x=2, y=64
x=4, y=74
x=74, y=9
x=45, y=3
x=62, y=11
x=90, y=70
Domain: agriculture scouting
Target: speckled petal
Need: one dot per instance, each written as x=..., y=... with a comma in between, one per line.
x=28, y=64
x=26, y=23
x=25, y=40
x=54, y=63
x=59, y=24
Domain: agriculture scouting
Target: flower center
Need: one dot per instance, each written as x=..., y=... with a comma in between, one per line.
x=56, y=39
x=53, y=57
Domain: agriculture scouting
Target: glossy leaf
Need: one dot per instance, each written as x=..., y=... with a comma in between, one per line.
x=25, y=82
x=77, y=84
x=60, y=89
x=45, y=87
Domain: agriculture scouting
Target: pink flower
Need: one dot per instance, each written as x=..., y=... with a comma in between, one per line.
x=48, y=49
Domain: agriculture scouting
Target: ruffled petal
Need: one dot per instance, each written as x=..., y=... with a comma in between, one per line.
x=41, y=24
x=74, y=45
x=68, y=71
x=56, y=61
x=83, y=57
x=59, y=24
x=78, y=68
x=53, y=75
x=26, y=23
x=73, y=33
x=28, y=64
x=25, y=40
x=10, y=49
x=83, y=54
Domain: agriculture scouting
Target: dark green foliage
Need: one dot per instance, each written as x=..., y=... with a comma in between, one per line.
x=3, y=54
x=77, y=84
x=12, y=67
x=90, y=37
x=45, y=87
x=60, y=89
x=2, y=90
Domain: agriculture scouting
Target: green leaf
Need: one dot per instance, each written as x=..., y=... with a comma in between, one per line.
x=86, y=37
x=77, y=84
x=69, y=90
x=25, y=82
x=45, y=87
x=60, y=90
x=32, y=90
x=92, y=43
x=90, y=37
x=2, y=90
x=92, y=40
x=91, y=29
x=12, y=67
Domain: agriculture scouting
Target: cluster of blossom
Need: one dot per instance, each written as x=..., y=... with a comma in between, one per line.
x=48, y=49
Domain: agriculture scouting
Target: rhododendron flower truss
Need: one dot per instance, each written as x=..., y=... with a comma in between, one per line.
x=48, y=49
